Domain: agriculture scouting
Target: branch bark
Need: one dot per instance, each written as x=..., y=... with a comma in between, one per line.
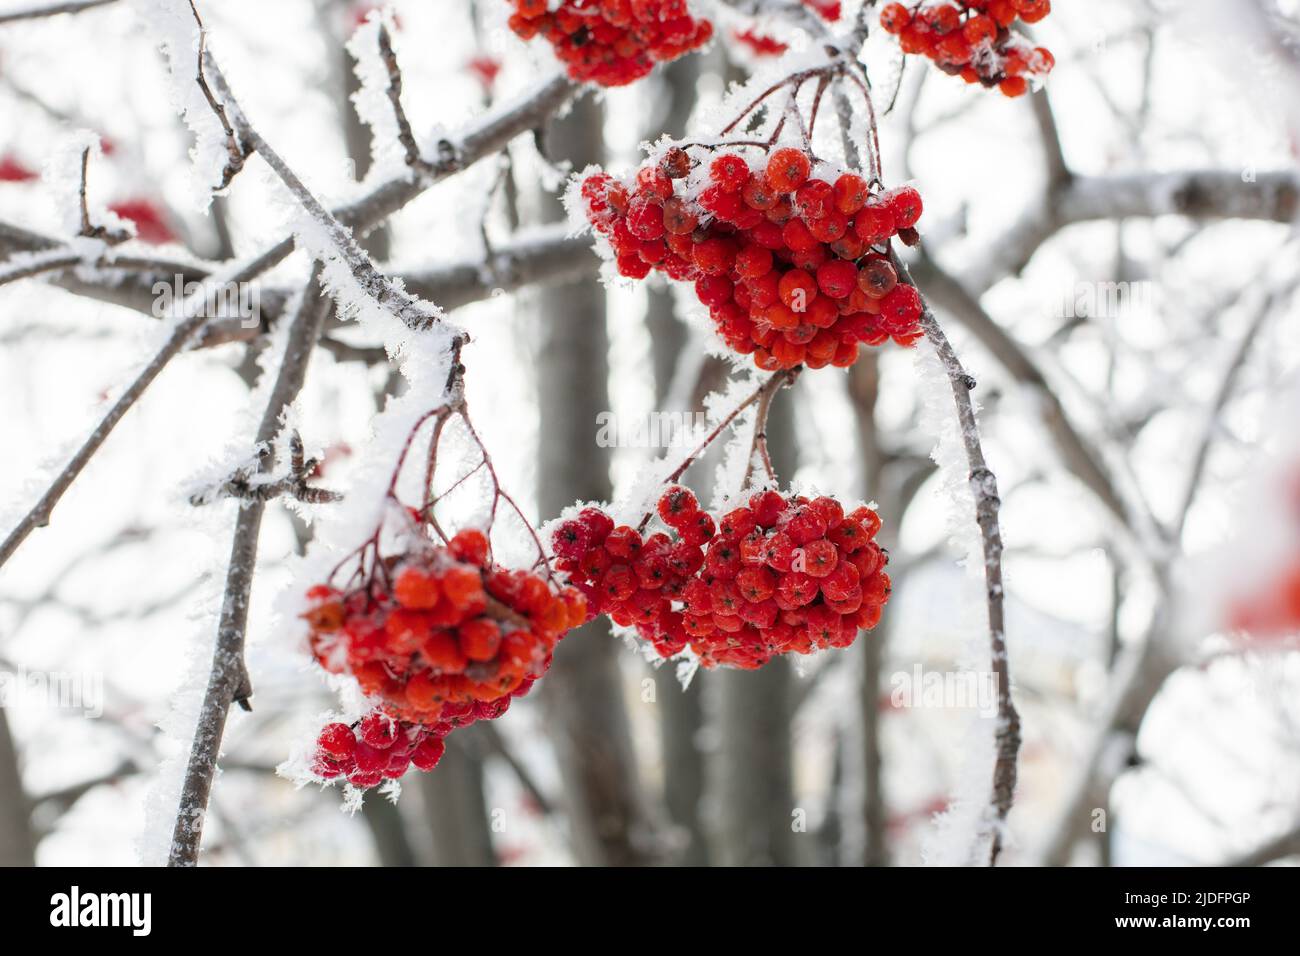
x=984, y=488
x=228, y=680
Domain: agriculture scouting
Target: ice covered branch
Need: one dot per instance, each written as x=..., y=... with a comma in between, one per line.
x=544, y=256
x=394, y=91
x=1077, y=453
x=482, y=139
x=296, y=484
x=984, y=489
x=228, y=681
x=193, y=315
x=1222, y=396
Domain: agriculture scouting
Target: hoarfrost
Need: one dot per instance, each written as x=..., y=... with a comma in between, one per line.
x=175, y=30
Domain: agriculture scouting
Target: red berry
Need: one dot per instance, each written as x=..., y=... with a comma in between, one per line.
x=788, y=169
x=337, y=741
x=416, y=589
x=729, y=171
x=378, y=730
x=426, y=756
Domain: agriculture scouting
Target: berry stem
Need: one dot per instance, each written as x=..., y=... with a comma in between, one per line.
x=763, y=395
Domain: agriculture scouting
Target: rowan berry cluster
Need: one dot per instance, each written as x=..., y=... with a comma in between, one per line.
x=612, y=42
x=793, y=267
x=973, y=39
x=439, y=638
x=778, y=575
x=379, y=747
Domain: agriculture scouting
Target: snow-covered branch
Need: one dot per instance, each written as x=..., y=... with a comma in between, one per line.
x=1205, y=195
x=483, y=138
x=984, y=489
x=228, y=681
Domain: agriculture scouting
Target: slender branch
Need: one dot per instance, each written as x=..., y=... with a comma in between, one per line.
x=194, y=312
x=88, y=229
x=404, y=134
x=358, y=262
x=235, y=152
x=759, y=447
x=1078, y=455
x=1204, y=195
x=484, y=138
x=29, y=265
x=1227, y=387
x=295, y=484
x=228, y=681
x=984, y=488
x=1058, y=170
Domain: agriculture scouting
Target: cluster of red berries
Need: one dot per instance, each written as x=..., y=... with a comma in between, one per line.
x=443, y=637
x=612, y=42
x=778, y=575
x=973, y=39
x=794, y=269
x=378, y=747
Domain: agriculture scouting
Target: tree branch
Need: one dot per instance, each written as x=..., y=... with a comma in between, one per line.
x=1078, y=455
x=1203, y=195
x=1227, y=386
x=228, y=680
x=482, y=139
x=984, y=488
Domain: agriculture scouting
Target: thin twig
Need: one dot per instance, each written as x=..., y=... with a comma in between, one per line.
x=1227, y=387
x=89, y=230
x=195, y=311
x=404, y=134
x=373, y=283
x=484, y=138
x=293, y=485
x=235, y=152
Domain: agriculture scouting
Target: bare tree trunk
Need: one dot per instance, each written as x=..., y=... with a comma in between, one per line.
x=755, y=788
x=864, y=388
x=583, y=692
x=17, y=843
x=455, y=804
x=681, y=712
x=389, y=831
